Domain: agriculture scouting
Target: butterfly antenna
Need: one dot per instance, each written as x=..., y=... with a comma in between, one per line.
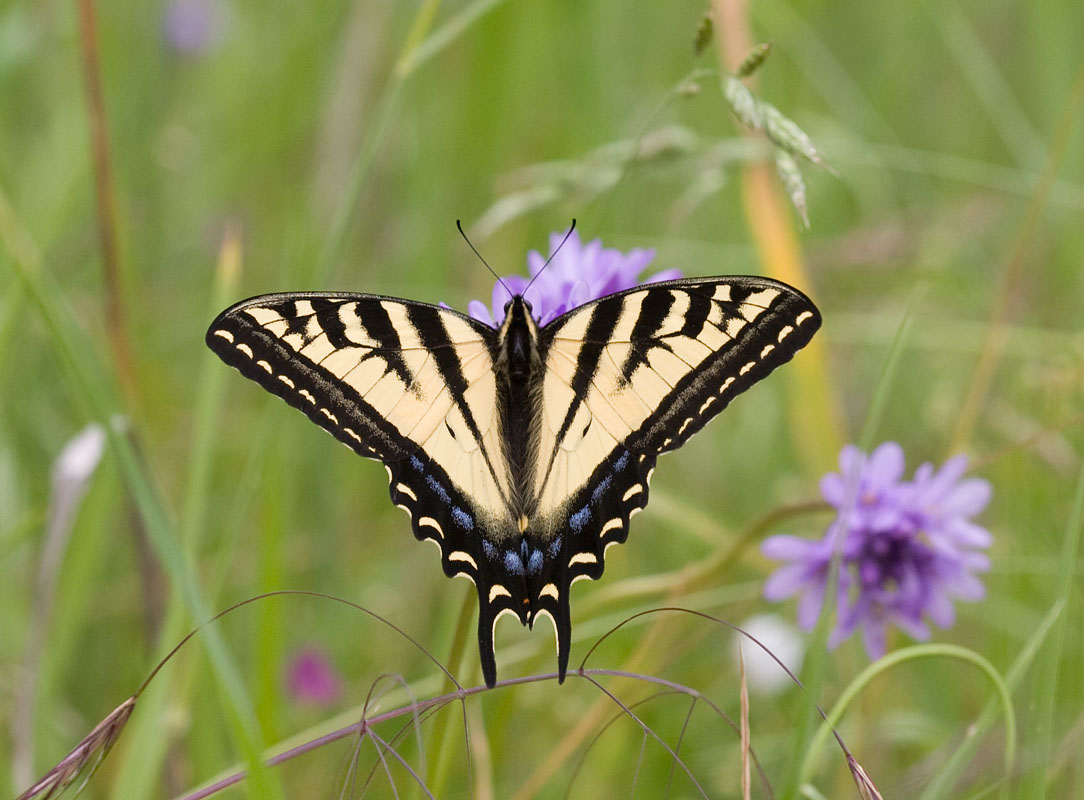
x=553, y=255
x=463, y=233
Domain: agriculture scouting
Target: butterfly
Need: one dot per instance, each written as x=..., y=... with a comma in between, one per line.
x=522, y=451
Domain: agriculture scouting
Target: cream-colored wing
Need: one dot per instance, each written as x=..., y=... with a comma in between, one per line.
x=643, y=370
x=395, y=380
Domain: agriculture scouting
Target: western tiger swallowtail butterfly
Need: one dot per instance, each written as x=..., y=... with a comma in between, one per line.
x=522, y=451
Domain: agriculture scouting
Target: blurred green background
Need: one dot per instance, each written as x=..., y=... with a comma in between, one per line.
x=333, y=146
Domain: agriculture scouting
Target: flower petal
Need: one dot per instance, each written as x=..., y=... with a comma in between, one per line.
x=885, y=466
x=783, y=547
x=873, y=637
x=810, y=604
x=967, y=498
x=834, y=489
x=941, y=610
x=478, y=310
x=664, y=275
x=785, y=581
x=311, y=679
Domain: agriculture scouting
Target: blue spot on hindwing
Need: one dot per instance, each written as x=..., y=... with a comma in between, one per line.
x=417, y=464
x=603, y=485
x=489, y=549
x=513, y=563
x=579, y=519
x=441, y=492
x=462, y=518
x=534, y=563
x=622, y=462
x=555, y=547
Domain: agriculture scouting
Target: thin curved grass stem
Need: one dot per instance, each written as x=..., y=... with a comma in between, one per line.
x=649, y=732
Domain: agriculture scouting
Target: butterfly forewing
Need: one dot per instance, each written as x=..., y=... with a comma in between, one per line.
x=407, y=383
x=644, y=369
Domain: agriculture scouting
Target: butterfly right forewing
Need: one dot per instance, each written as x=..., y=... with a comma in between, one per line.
x=719, y=338
x=644, y=369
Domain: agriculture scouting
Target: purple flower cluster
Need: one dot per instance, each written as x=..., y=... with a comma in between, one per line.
x=578, y=274
x=906, y=549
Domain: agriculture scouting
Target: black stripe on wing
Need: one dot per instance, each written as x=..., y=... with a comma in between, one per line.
x=781, y=329
x=261, y=356
x=427, y=323
x=601, y=325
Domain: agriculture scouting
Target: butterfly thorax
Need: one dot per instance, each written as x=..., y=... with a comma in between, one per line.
x=518, y=366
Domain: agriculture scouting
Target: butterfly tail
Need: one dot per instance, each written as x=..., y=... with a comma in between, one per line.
x=552, y=602
x=562, y=624
x=494, y=601
x=486, y=623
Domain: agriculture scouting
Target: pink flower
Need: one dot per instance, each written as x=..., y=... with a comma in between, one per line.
x=311, y=679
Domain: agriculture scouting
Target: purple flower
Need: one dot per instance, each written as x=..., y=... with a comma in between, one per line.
x=577, y=274
x=311, y=679
x=906, y=549
x=192, y=27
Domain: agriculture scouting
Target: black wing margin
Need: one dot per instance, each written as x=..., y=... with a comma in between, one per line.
x=769, y=321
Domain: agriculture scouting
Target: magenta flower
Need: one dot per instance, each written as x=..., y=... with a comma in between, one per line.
x=577, y=274
x=906, y=549
x=311, y=679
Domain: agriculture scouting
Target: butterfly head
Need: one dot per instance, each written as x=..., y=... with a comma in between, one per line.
x=518, y=307
x=518, y=333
